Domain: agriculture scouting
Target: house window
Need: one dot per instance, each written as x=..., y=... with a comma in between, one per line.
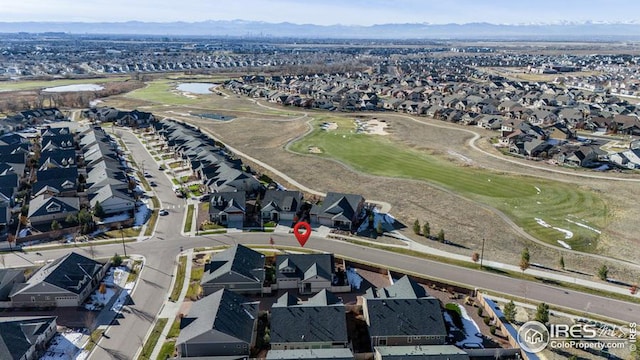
x=382, y=342
x=409, y=340
x=33, y=299
x=53, y=208
x=47, y=298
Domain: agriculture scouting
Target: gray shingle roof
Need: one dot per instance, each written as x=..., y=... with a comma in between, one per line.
x=403, y=317
x=17, y=335
x=309, y=322
x=72, y=272
x=305, y=265
x=40, y=204
x=238, y=259
x=221, y=317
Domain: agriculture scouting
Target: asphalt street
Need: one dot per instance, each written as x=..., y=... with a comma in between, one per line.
x=127, y=336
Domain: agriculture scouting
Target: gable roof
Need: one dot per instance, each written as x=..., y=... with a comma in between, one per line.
x=405, y=317
x=72, y=272
x=238, y=259
x=304, y=266
x=280, y=200
x=228, y=201
x=45, y=204
x=19, y=334
x=223, y=316
x=404, y=288
x=309, y=322
x=339, y=206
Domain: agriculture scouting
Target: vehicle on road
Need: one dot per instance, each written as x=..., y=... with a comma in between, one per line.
x=147, y=174
x=161, y=168
x=163, y=212
x=153, y=184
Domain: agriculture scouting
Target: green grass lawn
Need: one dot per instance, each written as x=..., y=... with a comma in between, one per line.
x=147, y=349
x=162, y=91
x=167, y=350
x=517, y=196
x=177, y=285
x=189, y=220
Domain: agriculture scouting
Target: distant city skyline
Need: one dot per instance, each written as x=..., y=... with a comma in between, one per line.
x=327, y=12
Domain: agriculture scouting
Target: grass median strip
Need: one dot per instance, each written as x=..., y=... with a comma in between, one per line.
x=167, y=351
x=93, y=339
x=189, y=220
x=151, y=342
x=177, y=285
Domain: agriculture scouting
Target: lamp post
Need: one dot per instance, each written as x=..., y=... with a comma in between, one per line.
x=482, y=254
x=124, y=248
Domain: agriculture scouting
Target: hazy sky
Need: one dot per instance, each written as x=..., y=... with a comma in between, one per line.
x=324, y=12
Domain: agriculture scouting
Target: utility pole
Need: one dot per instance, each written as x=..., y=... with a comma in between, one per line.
x=482, y=253
x=124, y=248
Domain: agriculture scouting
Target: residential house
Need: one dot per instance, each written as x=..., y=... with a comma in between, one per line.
x=65, y=187
x=25, y=338
x=46, y=208
x=228, y=208
x=318, y=323
x=338, y=210
x=431, y=352
x=219, y=326
x=65, y=282
x=402, y=315
x=113, y=199
x=309, y=273
x=584, y=156
x=280, y=205
x=239, y=269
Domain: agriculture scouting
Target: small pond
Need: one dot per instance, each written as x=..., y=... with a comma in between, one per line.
x=196, y=88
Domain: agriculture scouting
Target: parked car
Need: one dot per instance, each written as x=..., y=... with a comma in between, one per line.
x=153, y=183
x=147, y=175
x=161, y=168
x=163, y=212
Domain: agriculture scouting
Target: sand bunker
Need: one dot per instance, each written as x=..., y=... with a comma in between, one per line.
x=373, y=126
x=315, y=150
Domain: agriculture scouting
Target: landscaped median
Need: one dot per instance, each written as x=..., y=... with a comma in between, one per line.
x=151, y=342
x=189, y=220
x=179, y=281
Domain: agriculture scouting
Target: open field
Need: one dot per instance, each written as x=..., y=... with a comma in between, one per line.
x=523, y=198
x=40, y=84
x=464, y=218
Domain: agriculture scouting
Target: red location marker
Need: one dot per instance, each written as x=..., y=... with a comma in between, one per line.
x=302, y=237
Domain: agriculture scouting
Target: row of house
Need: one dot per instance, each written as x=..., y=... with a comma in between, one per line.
x=242, y=270
x=78, y=171
x=403, y=322
x=134, y=118
x=337, y=210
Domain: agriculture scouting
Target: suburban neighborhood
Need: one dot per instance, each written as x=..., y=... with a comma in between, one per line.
x=158, y=198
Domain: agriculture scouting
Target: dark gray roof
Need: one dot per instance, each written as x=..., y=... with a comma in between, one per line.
x=308, y=322
x=304, y=266
x=18, y=335
x=238, y=259
x=317, y=354
x=403, y=317
x=40, y=205
x=223, y=316
x=7, y=279
x=228, y=201
x=404, y=288
x=341, y=206
x=281, y=200
x=72, y=272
